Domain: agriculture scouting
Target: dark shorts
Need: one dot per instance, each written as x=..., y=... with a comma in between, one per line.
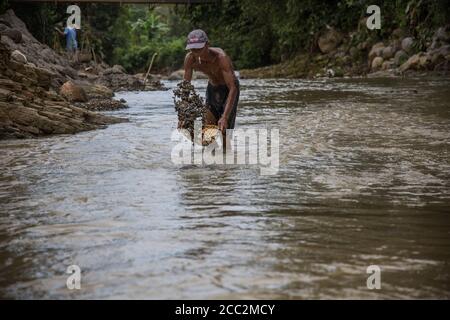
x=216, y=98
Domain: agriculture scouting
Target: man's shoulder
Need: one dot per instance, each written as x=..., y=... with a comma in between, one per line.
x=219, y=51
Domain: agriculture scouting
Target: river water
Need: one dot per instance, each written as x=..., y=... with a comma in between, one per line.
x=363, y=179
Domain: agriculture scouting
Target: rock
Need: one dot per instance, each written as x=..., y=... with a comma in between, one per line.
x=354, y=52
x=104, y=105
x=119, y=68
x=400, y=57
x=330, y=73
x=376, y=51
x=18, y=56
x=388, y=52
x=434, y=45
x=362, y=46
x=442, y=34
x=5, y=23
x=72, y=92
x=116, y=69
x=14, y=34
x=27, y=109
x=176, y=75
x=387, y=65
x=398, y=33
x=44, y=77
x=438, y=55
x=96, y=91
x=411, y=64
x=330, y=40
x=377, y=63
x=407, y=44
x=425, y=61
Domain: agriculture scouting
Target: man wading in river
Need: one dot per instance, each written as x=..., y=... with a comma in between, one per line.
x=222, y=93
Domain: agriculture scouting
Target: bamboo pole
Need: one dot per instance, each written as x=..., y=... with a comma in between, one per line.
x=149, y=68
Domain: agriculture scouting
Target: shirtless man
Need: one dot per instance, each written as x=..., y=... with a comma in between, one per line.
x=222, y=93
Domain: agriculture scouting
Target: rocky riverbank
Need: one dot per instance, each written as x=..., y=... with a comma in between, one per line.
x=29, y=107
x=337, y=54
x=43, y=92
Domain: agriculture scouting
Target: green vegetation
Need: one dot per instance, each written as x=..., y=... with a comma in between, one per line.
x=262, y=32
x=254, y=33
x=143, y=32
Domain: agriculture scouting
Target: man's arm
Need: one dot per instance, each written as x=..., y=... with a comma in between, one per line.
x=188, y=62
x=228, y=75
x=59, y=31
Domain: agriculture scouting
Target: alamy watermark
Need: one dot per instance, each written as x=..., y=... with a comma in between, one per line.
x=374, y=280
x=74, y=20
x=374, y=21
x=253, y=146
x=74, y=280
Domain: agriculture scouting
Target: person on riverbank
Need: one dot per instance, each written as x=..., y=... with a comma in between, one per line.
x=222, y=92
x=71, y=41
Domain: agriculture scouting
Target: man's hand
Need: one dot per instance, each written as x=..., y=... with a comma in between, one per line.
x=223, y=123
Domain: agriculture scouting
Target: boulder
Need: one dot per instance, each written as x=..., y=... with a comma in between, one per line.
x=376, y=51
x=377, y=63
x=330, y=40
x=18, y=56
x=407, y=44
x=388, y=52
x=411, y=64
x=72, y=92
x=14, y=34
x=400, y=57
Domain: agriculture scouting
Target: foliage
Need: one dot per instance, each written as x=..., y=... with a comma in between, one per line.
x=253, y=32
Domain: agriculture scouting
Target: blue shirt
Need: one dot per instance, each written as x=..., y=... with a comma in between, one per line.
x=71, y=38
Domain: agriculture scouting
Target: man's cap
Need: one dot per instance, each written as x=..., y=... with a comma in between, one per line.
x=196, y=39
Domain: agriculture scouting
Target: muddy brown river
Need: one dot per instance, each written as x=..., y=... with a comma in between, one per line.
x=363, y=179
